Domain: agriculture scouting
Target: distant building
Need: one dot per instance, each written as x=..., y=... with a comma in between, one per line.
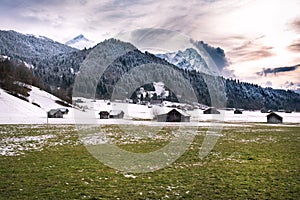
x=64, y=110
x=263, y=110
x=286, y=111
x=156, y=101
x=237, y=111
x=211, y=111
x=173, y=115
x=188, y=107
x=104, y=114
x=116, y=114
x=78, y=101
x=55, y=113
x=274, y=118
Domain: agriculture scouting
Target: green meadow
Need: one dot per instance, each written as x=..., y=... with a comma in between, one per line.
x=249, y=161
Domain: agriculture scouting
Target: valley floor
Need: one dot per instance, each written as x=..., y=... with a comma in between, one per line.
x=17, y=111
x=249, y=161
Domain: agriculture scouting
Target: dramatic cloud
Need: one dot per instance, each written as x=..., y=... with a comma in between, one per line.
x=295, y=47
x=274, y=71
x=233, y=25
x=60, y=18
x=251, y=50
x=216, y=53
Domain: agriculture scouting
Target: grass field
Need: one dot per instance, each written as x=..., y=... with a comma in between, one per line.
x=248, y=162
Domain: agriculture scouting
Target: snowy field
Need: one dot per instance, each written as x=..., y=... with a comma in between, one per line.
x=17, y=111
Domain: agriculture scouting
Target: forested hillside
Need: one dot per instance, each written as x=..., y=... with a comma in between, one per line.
x=55, y=67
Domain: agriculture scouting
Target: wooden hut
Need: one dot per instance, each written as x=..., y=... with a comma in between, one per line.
x=173, y=115
x=237, y=111
x=55, y=113
x=104, y=114
x=274, y=118
x=211, y=111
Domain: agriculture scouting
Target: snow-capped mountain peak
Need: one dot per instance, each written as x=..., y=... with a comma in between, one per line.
x=79, y=38
x=80, y=42
x=188, y=59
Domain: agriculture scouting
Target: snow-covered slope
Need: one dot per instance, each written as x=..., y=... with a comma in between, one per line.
x=80, y=42
x=42, y=98
x=17, y=111
x=14, y=109
x=188, y=59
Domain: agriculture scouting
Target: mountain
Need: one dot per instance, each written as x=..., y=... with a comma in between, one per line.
x=237, y=94
x=215, y=61
x=188, y=59
x=292, y=86
x=30, y=48
x=56, y=66
x=80, y=42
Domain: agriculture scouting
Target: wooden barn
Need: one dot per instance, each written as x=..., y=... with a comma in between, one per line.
x=116, y=114
x=173, y=115
x=211, y=111
x=55, y=113
x=237, y=111
x=274, y=118
x=104, y=114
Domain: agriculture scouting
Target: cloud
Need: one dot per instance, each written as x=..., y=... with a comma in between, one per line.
x=295, y=46
x=233, y=25
x=216, y=53
x=251, y=50
x=296, y=25
x=34, y=13
x=17, y=6
x=156, y=39
x=59, y=18
x=276, y=70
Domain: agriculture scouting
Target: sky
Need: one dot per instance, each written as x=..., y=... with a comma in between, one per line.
x=261, y=38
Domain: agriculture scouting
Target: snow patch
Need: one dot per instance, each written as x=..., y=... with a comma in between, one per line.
x=13, y=146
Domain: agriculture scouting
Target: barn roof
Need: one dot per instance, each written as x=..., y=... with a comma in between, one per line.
x=63, y=109
x=274, y=114
x=103, y=111
x=116, y=112
x=166, y=110
x=53, y=111
x=211, y=108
